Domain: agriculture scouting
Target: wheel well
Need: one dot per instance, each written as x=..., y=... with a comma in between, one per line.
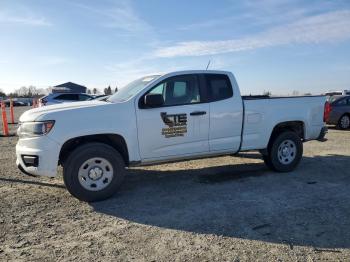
x=345, y=114
x=295, y=126
x=116, y=141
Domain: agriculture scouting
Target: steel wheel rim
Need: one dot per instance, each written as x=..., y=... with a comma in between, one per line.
x=286, y=152
x=95, y=174
x=345, y=121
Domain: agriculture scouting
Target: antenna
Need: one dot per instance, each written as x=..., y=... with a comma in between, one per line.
x=208, y=65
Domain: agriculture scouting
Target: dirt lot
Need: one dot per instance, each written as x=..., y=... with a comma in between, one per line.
x=219, y=209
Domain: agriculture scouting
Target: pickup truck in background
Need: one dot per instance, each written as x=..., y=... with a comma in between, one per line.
x=163, y=118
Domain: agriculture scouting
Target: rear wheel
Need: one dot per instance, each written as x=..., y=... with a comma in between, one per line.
x=93, y=172
x=285, y=152
x=344, y=122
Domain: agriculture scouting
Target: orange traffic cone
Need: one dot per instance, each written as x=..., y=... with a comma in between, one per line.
x=11, y=112
x=5, y=127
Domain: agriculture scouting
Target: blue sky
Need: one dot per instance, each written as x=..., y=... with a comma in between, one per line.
x=275, y=45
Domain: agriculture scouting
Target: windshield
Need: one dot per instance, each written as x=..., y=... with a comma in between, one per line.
x=132, y=89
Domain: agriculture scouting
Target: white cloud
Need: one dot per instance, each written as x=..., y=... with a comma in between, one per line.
x=125, y=18
x=6, y=18
x=52, y=60
x=130, y=70
x=327, y=27
x=120, y=16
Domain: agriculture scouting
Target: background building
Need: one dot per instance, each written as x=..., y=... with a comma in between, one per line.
x=69, y=87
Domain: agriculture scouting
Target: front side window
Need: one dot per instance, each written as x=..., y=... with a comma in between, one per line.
x=178, y=90
x=158, y=89
x=219, y=87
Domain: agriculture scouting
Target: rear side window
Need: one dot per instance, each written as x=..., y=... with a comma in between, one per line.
x=68, y=97
x=180, y=89
x=219, y=87
x=342, y=102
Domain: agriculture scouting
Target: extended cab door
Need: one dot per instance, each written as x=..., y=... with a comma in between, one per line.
x=177, y=128
x=226, y=113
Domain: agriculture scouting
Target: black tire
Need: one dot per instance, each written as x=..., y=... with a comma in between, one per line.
x=344, y=122
x=267, y=162
x=85, y=153
x=275, y=160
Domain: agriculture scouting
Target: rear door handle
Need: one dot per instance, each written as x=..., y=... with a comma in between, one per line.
x=198, y=113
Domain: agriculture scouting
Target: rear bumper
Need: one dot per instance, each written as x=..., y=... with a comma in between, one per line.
x=322, y=135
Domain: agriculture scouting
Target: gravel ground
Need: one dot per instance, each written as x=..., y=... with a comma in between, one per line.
x=218, y=209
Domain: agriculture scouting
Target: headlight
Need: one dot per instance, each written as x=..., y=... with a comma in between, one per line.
x=29, y=129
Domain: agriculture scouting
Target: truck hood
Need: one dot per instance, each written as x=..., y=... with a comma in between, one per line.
x=34, y=114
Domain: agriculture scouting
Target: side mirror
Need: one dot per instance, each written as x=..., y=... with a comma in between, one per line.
x=154, y=100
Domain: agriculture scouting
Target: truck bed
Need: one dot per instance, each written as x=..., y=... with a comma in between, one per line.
x=258, y=97
x=262, y=114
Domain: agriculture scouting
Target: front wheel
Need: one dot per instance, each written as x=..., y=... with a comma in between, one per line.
x=285, y=152
x=93, y=172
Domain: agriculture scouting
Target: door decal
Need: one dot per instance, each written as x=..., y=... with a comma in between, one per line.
x=177, y=124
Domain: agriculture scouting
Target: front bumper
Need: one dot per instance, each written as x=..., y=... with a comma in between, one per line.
x=46, y=149
x=24, y=171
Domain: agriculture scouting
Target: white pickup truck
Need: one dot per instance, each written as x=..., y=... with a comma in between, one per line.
x=163, y=118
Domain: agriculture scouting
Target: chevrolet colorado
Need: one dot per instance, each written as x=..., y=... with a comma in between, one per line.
x=163, y=118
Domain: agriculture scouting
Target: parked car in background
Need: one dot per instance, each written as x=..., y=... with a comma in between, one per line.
x=15, y=103
x=338, y=93
x=339, y=111
x=101, y=98
x=58, y=98
x=98, y=96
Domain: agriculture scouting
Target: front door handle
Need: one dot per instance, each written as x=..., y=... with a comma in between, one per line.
x=198, y=113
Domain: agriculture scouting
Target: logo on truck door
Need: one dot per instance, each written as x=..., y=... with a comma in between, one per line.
x=177, y=124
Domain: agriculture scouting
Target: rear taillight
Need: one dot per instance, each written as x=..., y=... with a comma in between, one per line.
x=327, y=111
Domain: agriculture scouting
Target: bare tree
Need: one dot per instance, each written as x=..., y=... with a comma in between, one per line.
x=2, y=94
x=48, y=90
x=267, y=93
x=22, y=91
x=94, y=91
x=30, y=91
x=13, y=94
x=109, y=90
x=295, y=93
